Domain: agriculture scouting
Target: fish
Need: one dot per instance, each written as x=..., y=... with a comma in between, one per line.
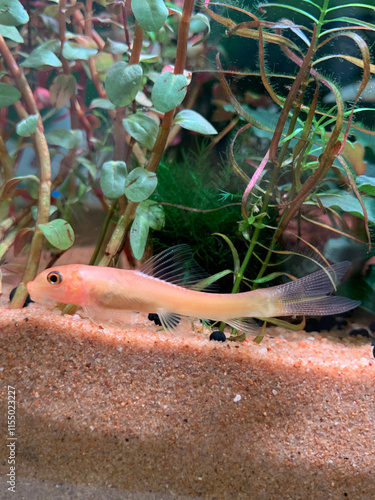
x=170, y=285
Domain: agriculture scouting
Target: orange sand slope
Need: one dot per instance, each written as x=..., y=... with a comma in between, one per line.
x=147, y=412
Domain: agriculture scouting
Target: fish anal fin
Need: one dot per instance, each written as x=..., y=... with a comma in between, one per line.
x=322, y=306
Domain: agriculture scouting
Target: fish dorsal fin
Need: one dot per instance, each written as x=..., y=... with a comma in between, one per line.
x=175, y=265
x=245, y=325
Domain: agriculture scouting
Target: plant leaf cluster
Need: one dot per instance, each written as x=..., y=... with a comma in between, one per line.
x=121, y=104
x=311, y=162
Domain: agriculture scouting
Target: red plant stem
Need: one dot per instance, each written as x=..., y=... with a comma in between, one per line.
x=3, y=119
x=66, y=68
x=119, y=235
x=123, y=12
x=78, y=16
x=8, y=172
x=122, y=146
x=89, y=32
x=137, y=44
x=182, y=43
x=5, y=161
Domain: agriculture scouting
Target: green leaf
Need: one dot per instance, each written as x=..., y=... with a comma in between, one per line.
x=153, y=212
x=11, y=32
x=34, y=210
x=12, y=13
x=74, y=51
x=138, y=236
x=32, y=186
x=358, y=288
x=117, y=48
x=236, y=258
x=140, y=184
x=58, y=233
x=69, y=139
x=198, y=23
x=91, y=167
x=142, y=128
x=353, y=20
x=343, y=248
x=169, y=91
x=150, y=14
x=201, y=285
x=27, y=126
x=102, y=103
x=149, y=58
x=21, y=240
x=41, y=57
x=348, y=203
x=191, y=120
x=9, y=187
x=62, y=89
x=112, y=178
x=366, y=184
x=8, y=95
x=269, y=277
x=123, y=82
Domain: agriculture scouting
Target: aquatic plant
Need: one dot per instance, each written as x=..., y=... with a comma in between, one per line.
x=312, y=161
x=120, y=96
x=123, y=93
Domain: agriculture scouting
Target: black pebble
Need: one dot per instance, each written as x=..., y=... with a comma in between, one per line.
x=155, y=318
x=373, y=348
x=312, y=325
x=327, y=322
x=218, y=335
x=359, y=331
x=324, y=323
x=27, y=301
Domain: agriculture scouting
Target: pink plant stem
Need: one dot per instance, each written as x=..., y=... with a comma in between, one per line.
x=252, y=183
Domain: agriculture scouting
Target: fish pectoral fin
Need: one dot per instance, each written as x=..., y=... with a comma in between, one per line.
x=176, y=324
x=245, y=325
x=117, y=318
x=169, y=321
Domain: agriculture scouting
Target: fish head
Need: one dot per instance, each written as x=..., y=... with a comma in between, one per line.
x=62, y=283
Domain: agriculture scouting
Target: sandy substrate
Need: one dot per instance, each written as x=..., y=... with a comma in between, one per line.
x=145, y=415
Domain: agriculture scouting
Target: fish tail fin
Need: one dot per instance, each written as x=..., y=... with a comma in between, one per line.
x=308, y=295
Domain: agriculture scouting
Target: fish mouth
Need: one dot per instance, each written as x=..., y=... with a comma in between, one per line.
x=38, y=293
x=31, y=290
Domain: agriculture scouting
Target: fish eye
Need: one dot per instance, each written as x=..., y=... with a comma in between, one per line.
x=54, y=278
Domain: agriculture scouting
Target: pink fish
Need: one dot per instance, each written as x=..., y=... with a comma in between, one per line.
x=168, y=285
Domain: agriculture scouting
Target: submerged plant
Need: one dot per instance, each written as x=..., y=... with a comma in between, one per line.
x=120, y=97
x=311, y=162
x=123, y=96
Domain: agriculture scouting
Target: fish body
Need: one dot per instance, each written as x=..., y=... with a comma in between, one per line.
x=163, y=286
